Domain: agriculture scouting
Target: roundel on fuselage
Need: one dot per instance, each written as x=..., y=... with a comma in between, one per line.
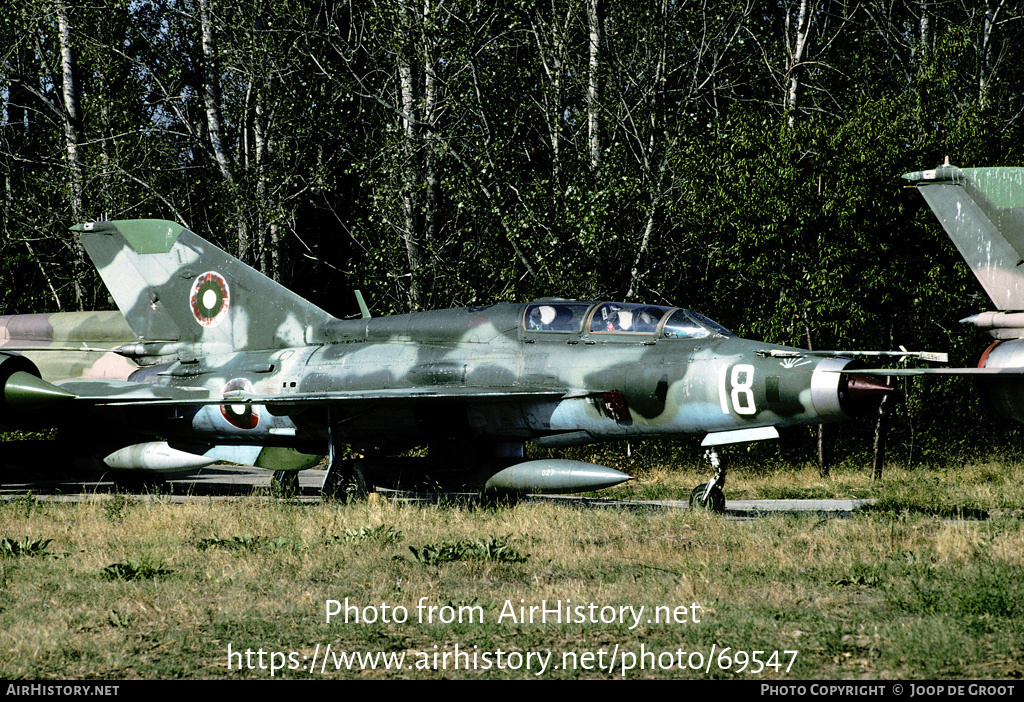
x=210, y=298
x=243, y=416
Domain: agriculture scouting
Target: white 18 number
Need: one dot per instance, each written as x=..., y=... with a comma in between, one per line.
x=742, y=381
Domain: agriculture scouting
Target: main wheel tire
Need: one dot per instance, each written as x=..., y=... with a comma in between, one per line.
x=349, y=482
x=285, y=483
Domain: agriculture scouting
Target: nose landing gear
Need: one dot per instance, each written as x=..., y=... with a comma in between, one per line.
x=709, y=495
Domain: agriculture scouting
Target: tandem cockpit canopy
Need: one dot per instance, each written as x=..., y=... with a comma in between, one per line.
x=619, y=318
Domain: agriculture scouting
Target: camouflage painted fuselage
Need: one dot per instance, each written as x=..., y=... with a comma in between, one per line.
x=229, y=361
x=480, y=374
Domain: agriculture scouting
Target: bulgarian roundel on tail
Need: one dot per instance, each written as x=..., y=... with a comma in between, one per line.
x=172, y=286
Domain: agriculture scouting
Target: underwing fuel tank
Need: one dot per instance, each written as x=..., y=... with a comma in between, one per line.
x=553, y=476
x=156, y=457
x=499, y=475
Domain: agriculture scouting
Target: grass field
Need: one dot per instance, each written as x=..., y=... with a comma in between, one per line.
x=926, y=584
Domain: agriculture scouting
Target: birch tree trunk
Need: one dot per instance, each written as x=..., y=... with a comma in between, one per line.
x=212, y=107
x=409, y=119
x=878, y=446
x=796, y=56
x=550, y=39
x=823, y=467
x=986, y=65
x=593, y=84
x=211, y=93
x=430, y=88
x=266, y=233
x=654, y=103
x=925, y=29
x=71, y=122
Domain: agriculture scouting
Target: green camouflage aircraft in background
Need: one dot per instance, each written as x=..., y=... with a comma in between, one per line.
x=71, y=344
x=219, y=362
x=982, y=211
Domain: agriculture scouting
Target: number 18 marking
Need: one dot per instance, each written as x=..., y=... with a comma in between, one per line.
x=742, y=381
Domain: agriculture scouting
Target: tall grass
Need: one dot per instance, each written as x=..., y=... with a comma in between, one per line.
x=924, y=585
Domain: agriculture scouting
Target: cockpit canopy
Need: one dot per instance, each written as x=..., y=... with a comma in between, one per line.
x=619, y=318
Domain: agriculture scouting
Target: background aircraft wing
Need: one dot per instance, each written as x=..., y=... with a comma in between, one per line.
x=933, y=371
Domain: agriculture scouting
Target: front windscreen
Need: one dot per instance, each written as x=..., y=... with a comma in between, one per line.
x=685, y=324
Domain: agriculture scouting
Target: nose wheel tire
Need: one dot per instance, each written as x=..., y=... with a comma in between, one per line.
x=709, y=496
x=714, y=501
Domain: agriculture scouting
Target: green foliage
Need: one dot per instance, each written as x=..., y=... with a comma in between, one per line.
x=384, y=534
x=133, y=569
x=494, y=549
x=985, y=590
x=117, y=507
x=245, y=542
x=11, y=548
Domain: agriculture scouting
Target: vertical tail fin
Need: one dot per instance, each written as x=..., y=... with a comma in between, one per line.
x=982, y=211
x=171, y=285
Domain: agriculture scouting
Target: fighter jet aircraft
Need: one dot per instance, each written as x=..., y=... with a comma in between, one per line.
x=70, y=344
x=982, y=211
x=231, y=365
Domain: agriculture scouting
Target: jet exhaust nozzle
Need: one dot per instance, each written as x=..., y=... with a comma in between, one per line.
x=868, y=387
x=839, y=391
x=24, y=395
x=25, y=391
x=859, y=392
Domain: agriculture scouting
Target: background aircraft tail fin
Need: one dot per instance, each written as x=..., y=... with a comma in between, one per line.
x=171, y=285
x=982, y=211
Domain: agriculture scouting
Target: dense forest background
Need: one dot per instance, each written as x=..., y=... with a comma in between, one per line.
x=739, y=157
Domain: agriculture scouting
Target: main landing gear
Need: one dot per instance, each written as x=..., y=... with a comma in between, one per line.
x=709, y=495
x=347, y=479
x=285, y=483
